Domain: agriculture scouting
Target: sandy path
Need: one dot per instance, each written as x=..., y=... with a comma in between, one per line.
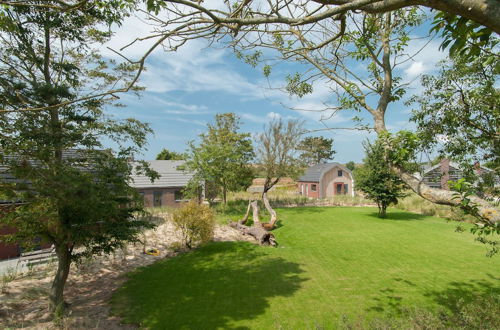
x=23, y=304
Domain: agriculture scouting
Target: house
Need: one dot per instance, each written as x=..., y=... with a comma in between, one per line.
x=167, y=190
x=326, y=180
x=437, y=176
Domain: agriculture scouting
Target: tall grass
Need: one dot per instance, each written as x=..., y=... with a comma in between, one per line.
x=417, y=204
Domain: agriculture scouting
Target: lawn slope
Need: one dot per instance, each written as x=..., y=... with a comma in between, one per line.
x=330, y=262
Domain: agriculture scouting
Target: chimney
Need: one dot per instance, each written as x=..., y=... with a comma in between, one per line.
x=477, y=168
x=445, y=175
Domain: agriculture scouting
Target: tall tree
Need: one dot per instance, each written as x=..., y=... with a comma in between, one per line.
x=166, y=154
x=277, y=154
x=75, y=193
x=223, y=155
x=316, y=149
x=377, y=180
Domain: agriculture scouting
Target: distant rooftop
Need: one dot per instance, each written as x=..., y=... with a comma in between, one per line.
x=314, y=173
x=172, y=174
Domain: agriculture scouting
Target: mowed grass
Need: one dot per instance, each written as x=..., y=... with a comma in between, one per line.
x=331, y=263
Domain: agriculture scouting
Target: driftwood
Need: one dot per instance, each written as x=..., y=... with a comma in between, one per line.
x=274, y=218
x=257, y=230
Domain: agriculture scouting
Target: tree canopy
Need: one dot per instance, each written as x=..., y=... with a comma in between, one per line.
x=223, y=155
x=166, y=154
x=75, y=193
x=316, y=149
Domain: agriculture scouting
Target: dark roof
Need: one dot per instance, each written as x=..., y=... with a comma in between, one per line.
x=453, y=165
x=7, y=177
x=314, y=173
x=172, y=174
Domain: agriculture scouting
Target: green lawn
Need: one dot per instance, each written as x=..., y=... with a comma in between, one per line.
x=330, y=262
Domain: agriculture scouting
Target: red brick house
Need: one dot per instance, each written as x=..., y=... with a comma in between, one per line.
x=326, y=180
x=7, y=251
x=437, y=176
x=167, y=190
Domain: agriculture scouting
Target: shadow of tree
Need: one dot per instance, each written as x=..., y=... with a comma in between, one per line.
x=388, y=301
x=454, y=295
x=208, y=288
x=399, y=216
x=457, y=293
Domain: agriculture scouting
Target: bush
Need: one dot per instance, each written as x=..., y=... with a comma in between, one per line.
x=196, y=223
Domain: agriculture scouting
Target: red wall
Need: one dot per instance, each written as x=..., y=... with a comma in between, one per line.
x=310, y=192
x=7, y=251
x=168, y=196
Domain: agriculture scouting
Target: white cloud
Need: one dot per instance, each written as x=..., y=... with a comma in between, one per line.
x=273, y=116
x=415, y=69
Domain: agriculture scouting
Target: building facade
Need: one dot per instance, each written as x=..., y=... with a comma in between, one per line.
x=166, y=190
x=326, y=180
x=437, y=176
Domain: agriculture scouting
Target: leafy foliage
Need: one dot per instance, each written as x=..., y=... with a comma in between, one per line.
x=165, y=154
x=458, y=113
x=76, y=195
x=486, y=234
x=196, y=223
x=464, y=37
x=316, y=149
x=376, y=179
x=222, y=156
x=277, y=150
x=350, y=165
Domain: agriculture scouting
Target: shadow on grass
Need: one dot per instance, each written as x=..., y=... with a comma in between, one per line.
x=450, y=299
x=457, y=293
x=209, y=288
x=399, y=216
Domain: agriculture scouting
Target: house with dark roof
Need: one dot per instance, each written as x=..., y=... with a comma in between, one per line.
x=437, y=176
x=326, y=180
x=167, y=190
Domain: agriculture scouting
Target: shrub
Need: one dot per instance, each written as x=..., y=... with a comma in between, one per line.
x=196, y=223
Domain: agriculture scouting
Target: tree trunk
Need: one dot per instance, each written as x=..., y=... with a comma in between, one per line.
x=487, y=212
x=224, y=195
x=256, y=230
x=382, y=210
x=56, y=297
x=247, y=213
x=272, y=222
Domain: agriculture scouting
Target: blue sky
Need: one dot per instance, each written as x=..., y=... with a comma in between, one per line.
x=185, y=89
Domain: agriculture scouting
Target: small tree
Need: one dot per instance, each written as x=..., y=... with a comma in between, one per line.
x=350, y=165
x=223, y=155
x=196, y=222
x=165, y=154
x=316, y=150
x=376, y=179
x=277, y=155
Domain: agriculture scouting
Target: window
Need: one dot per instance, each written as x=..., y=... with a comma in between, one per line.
x=313, y=187
x=346, y=188
x=339, y=173
x=339, y=188
x=157, y=196
x=178, y=195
